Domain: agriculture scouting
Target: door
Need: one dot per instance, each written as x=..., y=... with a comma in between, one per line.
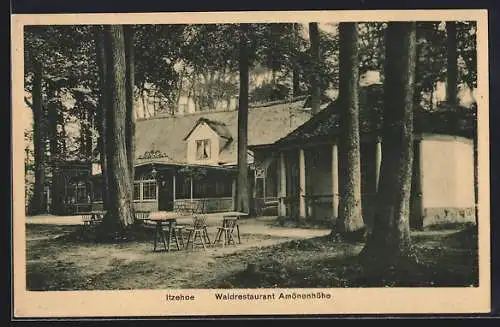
x=166, y=193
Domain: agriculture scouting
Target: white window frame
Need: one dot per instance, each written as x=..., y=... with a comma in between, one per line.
x=146, y=179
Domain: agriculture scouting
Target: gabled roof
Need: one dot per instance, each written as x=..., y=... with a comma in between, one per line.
x=327, y=123
x=218, y=127
x=266, y=125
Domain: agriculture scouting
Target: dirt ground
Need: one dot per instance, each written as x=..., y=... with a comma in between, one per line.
x=53, y=263
x=279, y=256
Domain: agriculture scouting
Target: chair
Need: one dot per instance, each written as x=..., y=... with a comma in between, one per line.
x=225, y=232
x=182, y=209
x=98, y=216
x=199, y=229
x=87, y=218
x=141, y=218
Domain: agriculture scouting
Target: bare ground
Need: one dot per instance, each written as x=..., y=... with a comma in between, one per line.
x=269, y=256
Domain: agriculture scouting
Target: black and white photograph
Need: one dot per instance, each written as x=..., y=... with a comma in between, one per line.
x=251, y=163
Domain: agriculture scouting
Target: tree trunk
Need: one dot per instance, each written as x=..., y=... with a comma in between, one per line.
x=242, y=194
x=82, y=140
x=316, y=58
x=85, y=133
x=102, y=113
x=38, y=142
x=120, y=197
x=64, y=150
x=130, y=118
x=390, y=239
x=53, y=118
x=88, y=134
x=451, y=69
x=350, y=218
x=52, y=126
x=295, y=67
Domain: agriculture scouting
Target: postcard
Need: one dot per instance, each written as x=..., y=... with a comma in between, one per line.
x=250, y=163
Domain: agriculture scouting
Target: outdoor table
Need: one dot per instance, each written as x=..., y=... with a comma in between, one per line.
x=163, y=218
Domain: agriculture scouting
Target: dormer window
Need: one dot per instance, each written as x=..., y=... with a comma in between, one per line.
x=203, y=149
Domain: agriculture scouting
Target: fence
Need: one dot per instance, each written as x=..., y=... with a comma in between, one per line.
x=210, y=205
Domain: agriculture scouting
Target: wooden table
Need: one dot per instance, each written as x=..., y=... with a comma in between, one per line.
x=162, y=218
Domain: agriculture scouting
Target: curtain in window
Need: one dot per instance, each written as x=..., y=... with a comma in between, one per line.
x=206, y=147
x=203, y=149
x=199, y=149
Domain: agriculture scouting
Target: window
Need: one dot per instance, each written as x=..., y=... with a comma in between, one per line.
x=137, y=190
x=149, y=190
x=145, y=189
x=97, y=193
x=223, y=188
x=76, y=192
x=202, y=149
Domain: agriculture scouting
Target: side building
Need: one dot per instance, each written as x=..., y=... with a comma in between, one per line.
x=443, y=189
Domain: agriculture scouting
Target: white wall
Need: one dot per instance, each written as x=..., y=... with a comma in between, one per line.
x=448, y=172
x=203, y=131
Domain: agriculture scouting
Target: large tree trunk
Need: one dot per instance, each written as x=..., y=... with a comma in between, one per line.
x=390, y=239
x=53, y=119
x=350, y=217
x=120, y=210
x=102, y=113
x=38, y=142
x=85, y=133
x=88, y=134
x=316, y=58
x=295, y=68
x=130, y=117
x=63, y=147
x=451, y=70
x=242, y=194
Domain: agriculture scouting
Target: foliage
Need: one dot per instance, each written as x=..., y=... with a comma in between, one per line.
x=269, y=92
x=157, y=49
x=466, y=37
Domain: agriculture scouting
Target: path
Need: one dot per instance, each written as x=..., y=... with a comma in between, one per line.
x=259, y=226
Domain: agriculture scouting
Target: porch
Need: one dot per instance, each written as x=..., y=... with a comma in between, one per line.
x=309, y=181
x=161, y=187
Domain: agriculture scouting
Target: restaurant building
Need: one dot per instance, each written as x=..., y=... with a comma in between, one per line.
x=443, y=172
x=193, y=157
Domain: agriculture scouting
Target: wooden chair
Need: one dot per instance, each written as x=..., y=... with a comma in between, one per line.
x=182, y=209
x=199, y=229
x=87, y=218
x=225, y=232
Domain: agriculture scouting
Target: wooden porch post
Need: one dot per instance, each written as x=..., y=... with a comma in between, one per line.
x=264, y=185
x=282, y=188
x=302, y=184
x=191, y=187
x=233, y=193
x=173, y=185
x=378, y=161
x=335, y=181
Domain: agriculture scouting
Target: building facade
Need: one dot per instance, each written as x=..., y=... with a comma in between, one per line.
x=193, y=157
x=443, y=171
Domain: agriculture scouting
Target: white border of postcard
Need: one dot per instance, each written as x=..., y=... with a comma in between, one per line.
x=341, y=301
